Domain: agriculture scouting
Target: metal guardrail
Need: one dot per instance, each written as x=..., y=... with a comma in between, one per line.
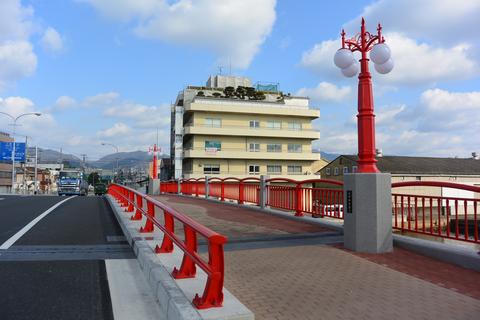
x=454, y=218
x=133, y=200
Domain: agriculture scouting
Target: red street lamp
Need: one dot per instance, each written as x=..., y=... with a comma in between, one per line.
x=155, y=152
x=344, y=59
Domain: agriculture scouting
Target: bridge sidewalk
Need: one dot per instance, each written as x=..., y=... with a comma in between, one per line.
x=306, y=281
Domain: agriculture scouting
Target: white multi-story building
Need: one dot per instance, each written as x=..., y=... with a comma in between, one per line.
x=229, y=128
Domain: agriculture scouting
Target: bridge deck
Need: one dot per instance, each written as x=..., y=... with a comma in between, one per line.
x=273, y=267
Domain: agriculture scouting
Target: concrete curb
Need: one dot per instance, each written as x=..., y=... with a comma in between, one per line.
x=172, y=294
x=450, y=253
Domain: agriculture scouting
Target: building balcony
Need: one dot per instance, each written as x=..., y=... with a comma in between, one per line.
x=246, y=131
x=250, y=107
x=211, y=153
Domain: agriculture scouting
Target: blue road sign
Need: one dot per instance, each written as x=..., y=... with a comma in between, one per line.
x=6, y=151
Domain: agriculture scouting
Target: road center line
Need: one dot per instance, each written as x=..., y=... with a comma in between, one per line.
x=7, y=244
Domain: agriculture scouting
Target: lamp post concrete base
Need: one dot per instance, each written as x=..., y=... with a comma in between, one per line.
x=368, y=212
x=154, y=187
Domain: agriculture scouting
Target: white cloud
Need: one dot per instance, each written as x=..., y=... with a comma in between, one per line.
x=115, y=130
x=32, y=126
x=327, y=92
x=443, y=110
x=442, y=123
x=437, y=42
x=17, y=59
x=141, y=116
x=64, y=102
x=15, y=20
x=445, y=21
x=420, y=63
x=232, y=29
x=52, y=41
x=415, y=63
x=101, y=99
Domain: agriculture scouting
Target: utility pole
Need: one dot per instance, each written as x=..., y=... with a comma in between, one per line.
x=36, y=168
x=83, y=161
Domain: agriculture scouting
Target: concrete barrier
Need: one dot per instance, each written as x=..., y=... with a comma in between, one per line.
x=173, y=296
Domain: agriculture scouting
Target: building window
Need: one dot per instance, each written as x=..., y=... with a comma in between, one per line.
x=418, y=178
x=254, y=169
x=211, y=145
x=274, y=124
x=274, y=168
x=294, y=126
x=254, y=147
x=211, y=169
x=354, y=169
x=345, y=170
x=328, y=171
x=254, y=124
x=213, y=122
x=274, y=147
x=294, y=169
x=294, y=147
x=336, y=171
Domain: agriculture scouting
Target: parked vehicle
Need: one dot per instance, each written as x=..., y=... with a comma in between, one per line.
x=100, y=189
x=72, y=182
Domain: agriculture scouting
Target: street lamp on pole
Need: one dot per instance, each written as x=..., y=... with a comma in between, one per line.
x=14, y=124
x=344, y=59
x=116, y=158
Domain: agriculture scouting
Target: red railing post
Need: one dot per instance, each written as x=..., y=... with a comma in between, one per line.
x=150, y=215
x=131, y=199
x=138, y=213
x=188, y=268
x=213, y=292
x=298, y=201
x=240, y=192
x=222, y=192
x=167, y=244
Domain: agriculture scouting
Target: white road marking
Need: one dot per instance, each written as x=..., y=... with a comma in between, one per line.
x=7, y=244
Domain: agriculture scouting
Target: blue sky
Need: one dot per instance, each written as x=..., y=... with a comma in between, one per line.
x=107, y=70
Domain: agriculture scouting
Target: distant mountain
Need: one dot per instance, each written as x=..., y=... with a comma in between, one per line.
x=328, y=156
x=325, y=155
x=132, y=159
x=53, y=156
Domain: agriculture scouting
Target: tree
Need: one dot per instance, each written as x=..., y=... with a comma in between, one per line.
x=229, y=91
x=93, y=178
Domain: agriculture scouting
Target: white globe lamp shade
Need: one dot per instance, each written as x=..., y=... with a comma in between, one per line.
x=343, y=58
x=351, y=70
x=380, y=53
x=385, y=67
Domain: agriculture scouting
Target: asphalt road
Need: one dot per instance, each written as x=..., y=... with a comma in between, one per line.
x=56, y=270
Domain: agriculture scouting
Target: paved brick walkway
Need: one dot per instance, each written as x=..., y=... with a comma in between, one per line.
x=329, y=282
x=237, y=222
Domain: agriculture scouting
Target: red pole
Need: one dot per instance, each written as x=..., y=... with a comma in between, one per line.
x=155, y=167
x=366, y=116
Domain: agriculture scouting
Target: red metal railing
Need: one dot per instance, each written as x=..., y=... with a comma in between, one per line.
x=319, y=202
x=214, y=268
x=440, y=216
